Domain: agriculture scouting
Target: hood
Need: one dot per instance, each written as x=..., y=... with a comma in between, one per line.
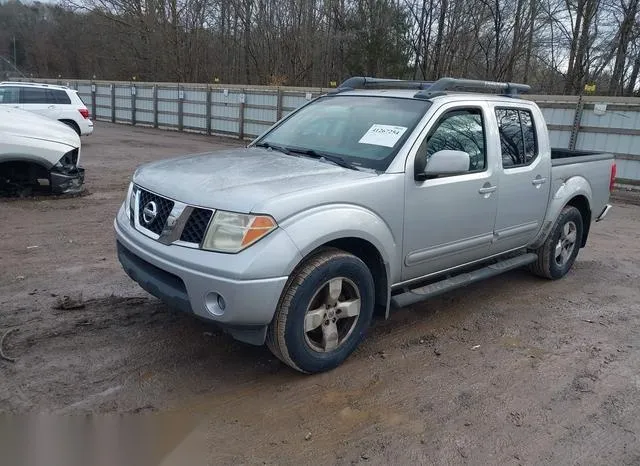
x=25, y=124
x=238, y=179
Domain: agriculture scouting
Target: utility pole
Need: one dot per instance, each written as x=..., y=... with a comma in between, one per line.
x=15, y=59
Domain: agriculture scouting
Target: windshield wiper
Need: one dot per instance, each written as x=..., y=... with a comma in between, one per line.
x=268, y=145
x=323, y=155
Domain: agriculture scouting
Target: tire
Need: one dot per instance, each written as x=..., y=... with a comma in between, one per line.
x=73, y=125
x=554, y=259
x=308, y=300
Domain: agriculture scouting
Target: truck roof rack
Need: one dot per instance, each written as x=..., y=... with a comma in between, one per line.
x=362, y=82
x=428, y=89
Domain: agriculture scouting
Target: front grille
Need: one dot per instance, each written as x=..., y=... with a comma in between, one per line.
x=196, y=226
x=163, y=209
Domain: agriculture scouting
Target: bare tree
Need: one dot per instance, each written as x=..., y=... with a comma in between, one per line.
x=556, y=45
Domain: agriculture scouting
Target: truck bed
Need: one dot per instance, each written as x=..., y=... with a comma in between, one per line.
x=593, y=167
x=571, y=156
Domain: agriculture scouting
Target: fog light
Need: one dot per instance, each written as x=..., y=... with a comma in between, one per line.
x=221, y=303
x=215, y=303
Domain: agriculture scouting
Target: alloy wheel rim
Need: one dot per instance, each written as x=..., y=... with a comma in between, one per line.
x=332, y=315
x=566, y=243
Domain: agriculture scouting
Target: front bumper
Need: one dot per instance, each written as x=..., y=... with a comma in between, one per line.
x=191, y=279
x=65, y=181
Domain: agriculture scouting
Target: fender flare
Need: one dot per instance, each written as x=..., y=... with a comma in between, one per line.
x=315, y=227
x=568, y=190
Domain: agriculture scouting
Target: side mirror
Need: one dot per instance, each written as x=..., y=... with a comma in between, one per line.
x=447, y=162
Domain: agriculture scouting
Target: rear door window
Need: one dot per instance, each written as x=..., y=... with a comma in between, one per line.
x=517, y=137
x=528, y=136
x=33, y=95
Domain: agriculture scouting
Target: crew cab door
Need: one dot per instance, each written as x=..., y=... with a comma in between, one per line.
x=449, y=219
x=524, y=181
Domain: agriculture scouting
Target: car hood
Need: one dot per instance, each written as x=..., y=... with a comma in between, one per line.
x=25, y=124
x=239, y=179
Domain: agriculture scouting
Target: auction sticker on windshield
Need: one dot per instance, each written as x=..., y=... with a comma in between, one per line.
x=383, y=135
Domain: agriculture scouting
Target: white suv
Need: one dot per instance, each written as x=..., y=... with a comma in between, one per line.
x=56, y=102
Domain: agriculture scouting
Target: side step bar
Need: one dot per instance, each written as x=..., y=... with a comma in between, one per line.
x=428, y=291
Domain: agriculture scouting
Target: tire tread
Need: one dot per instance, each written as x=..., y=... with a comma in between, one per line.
x=542, y=266
x=276, y=331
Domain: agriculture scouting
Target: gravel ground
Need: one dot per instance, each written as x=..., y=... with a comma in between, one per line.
x=514, y=370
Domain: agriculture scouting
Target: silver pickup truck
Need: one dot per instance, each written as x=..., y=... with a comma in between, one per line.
x=377, y=195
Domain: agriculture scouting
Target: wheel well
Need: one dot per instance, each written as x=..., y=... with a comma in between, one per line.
x=23, y=171
x=71, y=123
x=582, y=204
x=17, y=175
x=368, y=254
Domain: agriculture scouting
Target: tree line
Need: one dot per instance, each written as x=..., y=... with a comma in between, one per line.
x=557, y=46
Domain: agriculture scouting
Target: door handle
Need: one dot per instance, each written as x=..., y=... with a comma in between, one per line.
x=487, y=189
x=51, y=107
x=538, y=181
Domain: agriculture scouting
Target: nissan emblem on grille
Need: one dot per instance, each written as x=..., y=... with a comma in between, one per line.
x=149, y=212
x=154, y=211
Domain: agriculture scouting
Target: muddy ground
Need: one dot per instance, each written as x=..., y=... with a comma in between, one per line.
x=514, y=370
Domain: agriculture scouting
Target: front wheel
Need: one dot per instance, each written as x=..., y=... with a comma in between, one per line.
x=323, y=314
x=559, y=251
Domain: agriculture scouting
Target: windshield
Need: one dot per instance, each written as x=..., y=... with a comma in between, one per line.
x=361, y=130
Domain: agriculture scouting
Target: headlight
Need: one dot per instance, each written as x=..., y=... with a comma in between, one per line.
x=231, y=232
x=129, y=202
x=69, y=160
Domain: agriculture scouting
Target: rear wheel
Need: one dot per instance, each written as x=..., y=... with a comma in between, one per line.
x=323, y=313
x=559, y=251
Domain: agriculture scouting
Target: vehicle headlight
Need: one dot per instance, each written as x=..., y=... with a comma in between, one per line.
x=129, y=202
x=231, y=232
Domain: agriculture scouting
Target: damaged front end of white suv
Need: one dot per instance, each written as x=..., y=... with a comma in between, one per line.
x=38, y=155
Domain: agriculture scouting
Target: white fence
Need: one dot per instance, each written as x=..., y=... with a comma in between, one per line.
x=610, y=124
x=607, y=124
x=230, y=111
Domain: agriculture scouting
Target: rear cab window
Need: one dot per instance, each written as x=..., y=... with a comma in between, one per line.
x=518, y=142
